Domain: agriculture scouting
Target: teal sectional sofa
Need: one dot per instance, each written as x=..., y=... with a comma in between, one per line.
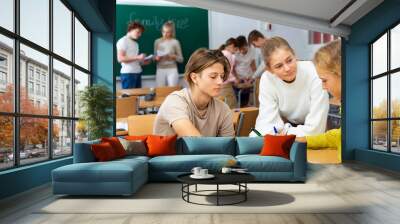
x=125, y=176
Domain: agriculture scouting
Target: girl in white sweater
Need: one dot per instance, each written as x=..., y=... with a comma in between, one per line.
x=292, y=100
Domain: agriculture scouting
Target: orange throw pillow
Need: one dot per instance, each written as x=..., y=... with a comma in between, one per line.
x=103, y=152
x=161, y=145
x=277, y=145
x=135, y=138
x=116, y=145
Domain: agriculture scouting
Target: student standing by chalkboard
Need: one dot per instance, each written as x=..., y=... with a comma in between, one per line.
x=129, y=57
x=167, y=51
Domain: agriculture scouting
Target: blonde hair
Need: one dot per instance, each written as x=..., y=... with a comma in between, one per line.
x=203, y=58
x=170, y=24
x=329, y=57
x=271, y=45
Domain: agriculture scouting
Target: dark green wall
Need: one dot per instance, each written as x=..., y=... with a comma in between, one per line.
x=191, y=28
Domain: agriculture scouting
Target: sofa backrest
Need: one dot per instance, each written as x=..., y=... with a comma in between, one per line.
x=249, y=145
x=206, y=145
x=83, y=152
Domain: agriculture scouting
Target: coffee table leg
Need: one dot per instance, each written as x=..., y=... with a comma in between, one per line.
x=245, y=191
x=196, y=188
x=217, y=194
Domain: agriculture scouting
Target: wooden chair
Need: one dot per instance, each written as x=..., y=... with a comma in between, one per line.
x=247, y=120
x=126, y=106
x=166, y=90
x=141, y=124
x=236, y=119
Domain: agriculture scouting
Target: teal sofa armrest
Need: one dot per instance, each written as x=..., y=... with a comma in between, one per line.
x=298, y=155
x=83, y=153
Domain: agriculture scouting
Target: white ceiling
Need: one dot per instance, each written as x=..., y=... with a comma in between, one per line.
x=315, y=15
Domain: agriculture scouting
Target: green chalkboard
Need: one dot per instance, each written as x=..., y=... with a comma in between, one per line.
x=191, y=26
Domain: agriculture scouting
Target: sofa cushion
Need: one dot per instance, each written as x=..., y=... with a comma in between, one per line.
x=185, y=163
x=116, y=145
x=277, y=145
x=112, y=171
x=206, y=145
x=257, y=163
x=134, y=147
x=103, y=152
x=161, y=145
x=249, y=145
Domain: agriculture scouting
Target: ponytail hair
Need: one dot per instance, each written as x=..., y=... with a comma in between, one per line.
x=228, y=42
x=273, y=44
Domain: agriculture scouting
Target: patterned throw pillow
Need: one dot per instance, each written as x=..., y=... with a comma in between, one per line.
x=134, y=147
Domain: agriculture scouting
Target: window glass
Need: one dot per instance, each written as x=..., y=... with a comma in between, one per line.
x=379, y=98
x=31, y=58
x=62, y=141
x=379, y=56
x=62, y=91
x=81, y=81
x=395, y=95
x=7, y=14
x=34, y=144
x=35, y=21
x=379, y=135
x=6, y=142
x=81, y=45
x=62, y=29
x=6, y=74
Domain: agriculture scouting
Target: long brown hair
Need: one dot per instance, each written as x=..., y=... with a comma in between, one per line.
x=203, y=58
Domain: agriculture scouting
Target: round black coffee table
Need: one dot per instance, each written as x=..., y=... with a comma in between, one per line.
x=238, y=179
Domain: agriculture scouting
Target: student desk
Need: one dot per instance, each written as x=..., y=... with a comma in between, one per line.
x=134, y=92
x=155, y=103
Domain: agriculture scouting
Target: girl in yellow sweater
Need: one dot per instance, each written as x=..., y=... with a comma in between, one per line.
x=328, y=64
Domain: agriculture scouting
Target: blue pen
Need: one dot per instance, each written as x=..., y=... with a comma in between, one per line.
x=276, y=131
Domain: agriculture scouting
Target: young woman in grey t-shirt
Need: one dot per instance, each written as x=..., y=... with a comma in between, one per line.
x=195, y=111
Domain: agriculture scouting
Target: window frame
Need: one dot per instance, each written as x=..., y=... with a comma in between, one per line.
x=15, y=68
x=388, y=74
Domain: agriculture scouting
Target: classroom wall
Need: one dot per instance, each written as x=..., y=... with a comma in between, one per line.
x=221, y=30
x=222, y=26
x=356, y=125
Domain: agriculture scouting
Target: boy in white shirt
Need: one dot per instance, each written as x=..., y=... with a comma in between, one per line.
x=129, y=57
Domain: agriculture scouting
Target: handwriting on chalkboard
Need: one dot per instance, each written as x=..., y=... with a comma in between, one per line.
x=157, y=22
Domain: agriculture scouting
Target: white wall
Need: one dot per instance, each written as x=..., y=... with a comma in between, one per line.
x=223, y=26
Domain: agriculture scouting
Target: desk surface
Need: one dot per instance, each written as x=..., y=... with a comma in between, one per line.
x=134, y=92
x=156, y=102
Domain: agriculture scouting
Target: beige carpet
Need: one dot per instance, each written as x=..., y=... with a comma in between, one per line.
x=166, y=198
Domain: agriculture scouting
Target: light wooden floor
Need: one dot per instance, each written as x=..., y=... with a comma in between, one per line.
x=378, y=188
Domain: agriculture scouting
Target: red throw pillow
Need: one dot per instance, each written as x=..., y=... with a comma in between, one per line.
x=161, y=145
x=103, y=151
x=116, y=145
x=277, y=145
